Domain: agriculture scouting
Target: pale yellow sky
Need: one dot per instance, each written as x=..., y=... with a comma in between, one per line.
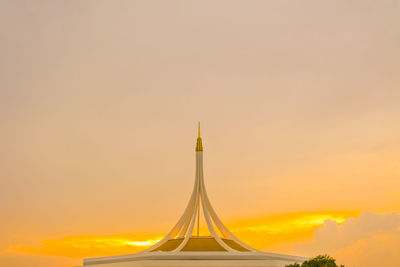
x=99, y=103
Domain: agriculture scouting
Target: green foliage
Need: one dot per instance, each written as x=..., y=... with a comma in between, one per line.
x=319, y=261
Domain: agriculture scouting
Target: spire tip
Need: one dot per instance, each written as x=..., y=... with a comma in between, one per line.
x=199, y=145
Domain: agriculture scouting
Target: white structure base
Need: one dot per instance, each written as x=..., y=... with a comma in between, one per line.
x=199, y=263
x=195, y=259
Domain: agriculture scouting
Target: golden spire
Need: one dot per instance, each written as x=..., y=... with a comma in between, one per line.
x=199, y=144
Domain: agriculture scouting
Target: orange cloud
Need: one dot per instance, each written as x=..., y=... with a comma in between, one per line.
x=265, y=232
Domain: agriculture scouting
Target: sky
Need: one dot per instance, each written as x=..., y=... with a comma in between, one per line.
x=299, y=103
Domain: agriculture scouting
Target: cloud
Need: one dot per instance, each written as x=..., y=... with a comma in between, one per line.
x=370, y=240
x=270, y=232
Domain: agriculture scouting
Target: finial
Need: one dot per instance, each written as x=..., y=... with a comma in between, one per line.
x=199, y=143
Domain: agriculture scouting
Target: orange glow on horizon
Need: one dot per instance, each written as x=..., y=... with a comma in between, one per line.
x=258, y=232
x=87, y=246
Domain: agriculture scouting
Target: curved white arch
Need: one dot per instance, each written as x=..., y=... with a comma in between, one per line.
x=185, y=226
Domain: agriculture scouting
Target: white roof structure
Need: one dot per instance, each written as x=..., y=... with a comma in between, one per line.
x=182, y=246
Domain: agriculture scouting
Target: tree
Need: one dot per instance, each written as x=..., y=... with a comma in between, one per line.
x=319, y=261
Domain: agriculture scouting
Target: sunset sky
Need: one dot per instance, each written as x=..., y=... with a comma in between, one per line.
x=300, y=109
